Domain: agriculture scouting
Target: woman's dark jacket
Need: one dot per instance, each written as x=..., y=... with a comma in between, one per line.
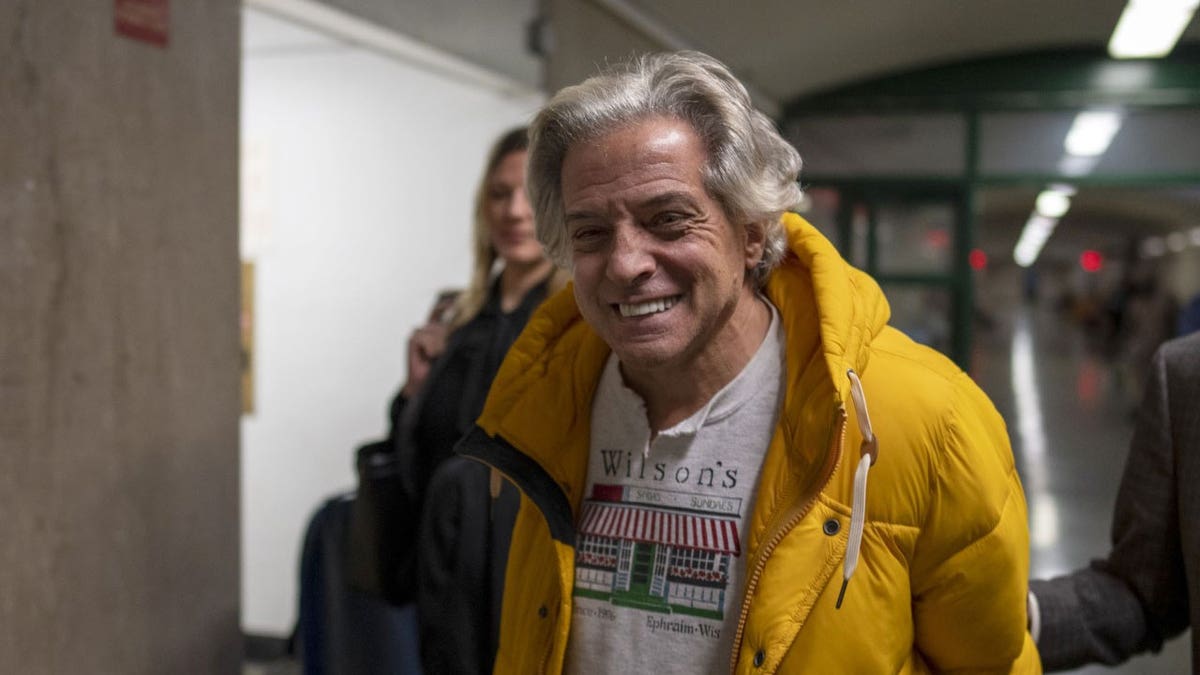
x=425, y=527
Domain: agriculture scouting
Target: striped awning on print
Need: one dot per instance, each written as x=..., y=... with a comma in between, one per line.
x=661, y=527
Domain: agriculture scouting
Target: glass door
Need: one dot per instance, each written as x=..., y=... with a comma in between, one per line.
x=915, y=240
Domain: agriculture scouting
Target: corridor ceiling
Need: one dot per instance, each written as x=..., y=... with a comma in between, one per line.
x=795, y=48
x=788, y=50
x=792, y=49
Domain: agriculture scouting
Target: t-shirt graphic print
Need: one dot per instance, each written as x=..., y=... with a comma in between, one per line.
x=658, y=550
x=659, y=559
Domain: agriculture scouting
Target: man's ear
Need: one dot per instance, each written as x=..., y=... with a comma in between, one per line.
x=756, y=241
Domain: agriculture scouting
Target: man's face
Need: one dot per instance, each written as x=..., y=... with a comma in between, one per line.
x=659, y=269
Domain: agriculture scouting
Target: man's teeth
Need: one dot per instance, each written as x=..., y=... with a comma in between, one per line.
x=651, y=307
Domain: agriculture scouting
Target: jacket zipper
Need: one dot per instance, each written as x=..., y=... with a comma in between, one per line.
x=779, y=534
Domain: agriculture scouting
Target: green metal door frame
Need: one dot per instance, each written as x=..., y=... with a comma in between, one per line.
x=958, y=281
x=1040, y=81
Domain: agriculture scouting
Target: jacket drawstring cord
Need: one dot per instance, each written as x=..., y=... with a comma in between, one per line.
x=858, y=510
x=494, y=485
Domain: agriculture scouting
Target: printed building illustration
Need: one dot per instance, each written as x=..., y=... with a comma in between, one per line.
x=666, y=558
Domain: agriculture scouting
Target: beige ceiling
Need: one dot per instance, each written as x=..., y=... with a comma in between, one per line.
x=794, y=48
x=785, y=49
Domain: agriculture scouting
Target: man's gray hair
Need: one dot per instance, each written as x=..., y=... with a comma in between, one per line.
x=751, y=171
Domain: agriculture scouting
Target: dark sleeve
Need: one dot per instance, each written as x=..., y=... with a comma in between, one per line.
x=454, y=589
x=395, y=412
x=1136, y=597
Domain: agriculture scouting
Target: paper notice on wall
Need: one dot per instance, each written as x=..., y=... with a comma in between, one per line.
x=257, y=197
x=145, y=20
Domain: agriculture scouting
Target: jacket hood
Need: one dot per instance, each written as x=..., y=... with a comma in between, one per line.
x=815, y=286
x=540, y=401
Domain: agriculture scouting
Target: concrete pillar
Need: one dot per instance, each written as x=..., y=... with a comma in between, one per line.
x=118, y=341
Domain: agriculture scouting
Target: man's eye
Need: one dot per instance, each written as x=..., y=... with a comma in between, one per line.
x=670, y=223
x=585, y=234
x=668, y=218
x=587, y=238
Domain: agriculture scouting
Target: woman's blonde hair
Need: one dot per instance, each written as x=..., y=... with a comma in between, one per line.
x=471, y=301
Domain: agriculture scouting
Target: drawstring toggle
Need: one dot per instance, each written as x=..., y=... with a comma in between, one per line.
x=868, y=455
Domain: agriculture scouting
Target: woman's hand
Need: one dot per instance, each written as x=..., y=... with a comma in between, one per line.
x=425, y=345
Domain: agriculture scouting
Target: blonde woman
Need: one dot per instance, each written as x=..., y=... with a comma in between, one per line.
x=451, y=362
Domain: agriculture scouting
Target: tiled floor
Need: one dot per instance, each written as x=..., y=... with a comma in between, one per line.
x=1070, y=430
x=280, y=667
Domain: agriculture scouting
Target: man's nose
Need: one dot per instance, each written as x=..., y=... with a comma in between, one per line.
x=631, y=259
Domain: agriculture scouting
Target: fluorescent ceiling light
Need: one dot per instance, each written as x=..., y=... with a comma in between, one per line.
x=1091, y=132
x=1025, y=255
x=1053, y=203
x=1150, y=28
x=1072, y=165
x=1037, y=230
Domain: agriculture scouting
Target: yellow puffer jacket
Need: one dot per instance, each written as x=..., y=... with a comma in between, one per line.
x=941, y=578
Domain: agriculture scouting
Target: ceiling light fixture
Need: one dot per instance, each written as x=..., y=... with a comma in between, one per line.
x=1051, y=205
x=1091, y=132
x=1071, y=165
x=1037, y=230
x=1150, y=28
x=1053, y=202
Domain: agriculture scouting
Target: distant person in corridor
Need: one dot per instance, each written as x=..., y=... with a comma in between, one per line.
x=689, y=426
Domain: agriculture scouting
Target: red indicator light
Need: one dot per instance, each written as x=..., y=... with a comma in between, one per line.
x=977, y=259
x=1091, y=261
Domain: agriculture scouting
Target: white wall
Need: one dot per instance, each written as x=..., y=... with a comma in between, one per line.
x=358, y=176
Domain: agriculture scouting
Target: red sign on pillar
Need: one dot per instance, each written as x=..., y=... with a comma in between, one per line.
x=145, y=20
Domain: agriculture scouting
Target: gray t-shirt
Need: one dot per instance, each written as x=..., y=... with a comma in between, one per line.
x=660, y=562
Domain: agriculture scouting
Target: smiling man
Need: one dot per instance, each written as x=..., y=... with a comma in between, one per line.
x=660, y=272
x=689, y=426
